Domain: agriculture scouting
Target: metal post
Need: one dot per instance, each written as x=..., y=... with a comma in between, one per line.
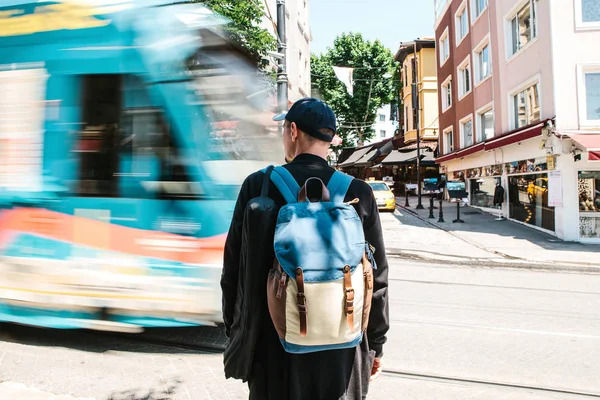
x=406, y=204
x=441, y=219
x=416, y=106
x=458, y=213
x=282, y=79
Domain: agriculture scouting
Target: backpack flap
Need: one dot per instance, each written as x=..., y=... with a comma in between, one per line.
x=320, y=238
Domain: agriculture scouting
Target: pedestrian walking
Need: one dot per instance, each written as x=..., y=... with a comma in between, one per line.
x=293, y=229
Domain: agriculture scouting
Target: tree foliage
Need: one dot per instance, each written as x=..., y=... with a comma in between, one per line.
x=245, y=29
x=376, y=82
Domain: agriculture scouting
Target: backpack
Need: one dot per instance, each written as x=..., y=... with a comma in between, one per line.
x=320, y=287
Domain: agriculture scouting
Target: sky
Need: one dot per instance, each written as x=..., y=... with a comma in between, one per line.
x=390, y=21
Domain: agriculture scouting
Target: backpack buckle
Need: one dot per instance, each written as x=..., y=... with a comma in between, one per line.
x=301, y=301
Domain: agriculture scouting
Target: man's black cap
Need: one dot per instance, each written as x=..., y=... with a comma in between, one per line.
x=311, y=115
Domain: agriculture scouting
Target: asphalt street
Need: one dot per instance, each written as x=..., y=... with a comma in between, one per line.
x=457, y=332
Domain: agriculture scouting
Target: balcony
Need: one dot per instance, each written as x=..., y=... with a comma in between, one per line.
x=426, y=134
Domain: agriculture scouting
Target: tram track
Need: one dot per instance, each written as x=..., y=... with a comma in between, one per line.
x=482, y=383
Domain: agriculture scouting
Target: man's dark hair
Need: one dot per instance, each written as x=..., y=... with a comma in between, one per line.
x=311, y=139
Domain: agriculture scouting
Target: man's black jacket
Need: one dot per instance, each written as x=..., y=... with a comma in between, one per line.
x=303, y=167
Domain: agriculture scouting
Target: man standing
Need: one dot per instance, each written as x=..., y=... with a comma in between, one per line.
x=309, y=128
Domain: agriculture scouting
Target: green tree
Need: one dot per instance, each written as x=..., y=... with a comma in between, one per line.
x=245, y=28
x=376, y=82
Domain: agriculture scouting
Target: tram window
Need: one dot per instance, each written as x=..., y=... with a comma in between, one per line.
x=97, y=141
x=151, y=162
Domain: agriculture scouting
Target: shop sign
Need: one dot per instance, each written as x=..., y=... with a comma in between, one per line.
x=555, y=189
x=551, y=162
x=524, y=166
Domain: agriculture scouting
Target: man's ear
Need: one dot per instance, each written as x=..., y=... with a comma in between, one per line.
x=294, y=131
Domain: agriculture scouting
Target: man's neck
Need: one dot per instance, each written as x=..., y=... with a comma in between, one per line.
x=315, y=152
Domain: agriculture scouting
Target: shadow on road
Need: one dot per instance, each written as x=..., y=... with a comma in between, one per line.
x=191, y=340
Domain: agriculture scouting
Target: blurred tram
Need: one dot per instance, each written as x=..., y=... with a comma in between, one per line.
x=126, y=129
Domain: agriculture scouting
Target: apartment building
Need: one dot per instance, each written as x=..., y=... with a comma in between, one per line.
x=298, y=44
x=385, y=127
x=520, y=108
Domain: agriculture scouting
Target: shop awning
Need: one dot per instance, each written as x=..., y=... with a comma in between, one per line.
x=515, y=136
x=357, y=155
x=365, y=160
x=590, y=142
x=399, y=158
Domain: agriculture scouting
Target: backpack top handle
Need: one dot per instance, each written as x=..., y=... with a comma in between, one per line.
x=303, y=195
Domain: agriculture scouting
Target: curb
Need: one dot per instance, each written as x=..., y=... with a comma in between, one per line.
x=516, y=262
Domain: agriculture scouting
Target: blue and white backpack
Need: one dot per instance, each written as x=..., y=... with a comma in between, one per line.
x=319, y=290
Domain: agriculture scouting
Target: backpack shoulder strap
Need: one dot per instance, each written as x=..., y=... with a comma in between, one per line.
x=338, y=186
x=286, y=184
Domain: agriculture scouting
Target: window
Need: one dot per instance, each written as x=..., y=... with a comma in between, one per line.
x=462, y=23
x=448, y=141
x=382, y=117
x=528, y=200
x=592, y=95
x=447, y=94
x=444, y=47
x=526, y=106
x=485, y=127
x=589, y=204
x=464, y=79
x=523, y=26
x=483, y=66
x=590, y=11
x=382, y=133
x=466, y=132
x=479, y=6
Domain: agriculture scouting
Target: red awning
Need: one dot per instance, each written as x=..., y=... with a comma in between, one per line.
x=590, y=142
x=516, y=136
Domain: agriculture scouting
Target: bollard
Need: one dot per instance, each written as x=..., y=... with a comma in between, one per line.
x=431, y=207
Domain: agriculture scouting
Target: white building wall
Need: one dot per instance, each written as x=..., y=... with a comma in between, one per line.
x=298, y=43
x=383, y=129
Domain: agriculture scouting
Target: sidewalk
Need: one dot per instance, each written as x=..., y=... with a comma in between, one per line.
x=504, y=240
x=17, y=391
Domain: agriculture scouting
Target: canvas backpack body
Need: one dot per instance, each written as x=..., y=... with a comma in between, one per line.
x=319, y=290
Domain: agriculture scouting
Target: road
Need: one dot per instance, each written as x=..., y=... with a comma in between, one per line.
x=457, y=332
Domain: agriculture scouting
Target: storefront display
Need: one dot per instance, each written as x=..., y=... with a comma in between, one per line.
x=528, y=200
x=482, y=192
x=589, y=204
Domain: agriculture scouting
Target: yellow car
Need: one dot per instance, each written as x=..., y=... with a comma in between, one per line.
x=383, y=195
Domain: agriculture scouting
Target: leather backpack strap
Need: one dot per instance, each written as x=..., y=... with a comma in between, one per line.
x=349, y=297
x=301, y=300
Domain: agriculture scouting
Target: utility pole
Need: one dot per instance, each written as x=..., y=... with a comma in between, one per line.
x=282, y=79
x=415, y=104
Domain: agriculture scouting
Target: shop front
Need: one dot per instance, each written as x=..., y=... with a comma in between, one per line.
x=588, y=184
x=517, y=190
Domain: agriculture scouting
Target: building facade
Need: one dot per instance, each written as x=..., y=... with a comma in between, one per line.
x=298, y=44
x=425, y=76
x=385, y=127
x=520, y=109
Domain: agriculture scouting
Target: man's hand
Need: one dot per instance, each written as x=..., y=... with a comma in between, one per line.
x=376, y=370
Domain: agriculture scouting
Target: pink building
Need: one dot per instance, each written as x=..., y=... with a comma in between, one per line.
x=507, y=118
